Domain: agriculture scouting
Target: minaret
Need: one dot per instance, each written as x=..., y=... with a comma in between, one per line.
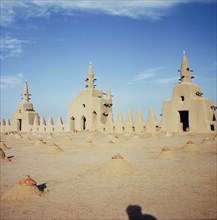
x=108, y=94
x=185, y=75
x=25, y=95
x=90, y=77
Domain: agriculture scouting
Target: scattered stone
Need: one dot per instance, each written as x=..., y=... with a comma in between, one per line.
x=67, y=139
x=3, y=157
x=117, y=156
x=26, y=181
x=50, y=136
x=166, y=154
x=26, y=138
x=168, y=134
x=40, y=142
x=116, y=167
x=110, y=142
x=207, y=140
x=136, y=136
x=17, y=136
x=190, y=142
x=115, y=139
x=88, y=143
x=54, y=149
x=127, y=135
x=165, y=148
x=2, y=154
x=24, y=189
x=3, y=146
x=190, y=146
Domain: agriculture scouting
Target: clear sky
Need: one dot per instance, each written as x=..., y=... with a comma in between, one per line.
x=135, y=48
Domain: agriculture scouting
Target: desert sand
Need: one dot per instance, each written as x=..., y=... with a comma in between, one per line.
x=78, y=179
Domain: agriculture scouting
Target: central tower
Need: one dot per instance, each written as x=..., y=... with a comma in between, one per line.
x=90, y=108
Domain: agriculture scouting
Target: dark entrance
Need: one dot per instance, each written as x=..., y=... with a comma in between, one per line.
x=212, y=128
x=184, y=120
x=83, y=121
x=72, y=123
x=19, y=124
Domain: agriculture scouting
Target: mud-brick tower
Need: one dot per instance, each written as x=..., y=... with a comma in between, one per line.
x=188, y=110
x=25, y=114
x=90, y=108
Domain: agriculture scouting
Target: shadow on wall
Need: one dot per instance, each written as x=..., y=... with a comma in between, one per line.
x=135, y=213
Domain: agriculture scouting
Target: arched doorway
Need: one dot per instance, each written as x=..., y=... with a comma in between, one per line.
x=83, y=123
x=19, y=124
x=184, y=119
x=72, y=123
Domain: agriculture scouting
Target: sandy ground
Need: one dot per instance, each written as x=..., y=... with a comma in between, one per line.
x=183, y=187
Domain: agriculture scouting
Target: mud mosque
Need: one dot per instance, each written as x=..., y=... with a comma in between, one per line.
x=91, y=109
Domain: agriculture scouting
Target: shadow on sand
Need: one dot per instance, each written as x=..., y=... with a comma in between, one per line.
x=42, y=187
x=135, y=213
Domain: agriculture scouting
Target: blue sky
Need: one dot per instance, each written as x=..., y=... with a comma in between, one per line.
x=135, y=48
